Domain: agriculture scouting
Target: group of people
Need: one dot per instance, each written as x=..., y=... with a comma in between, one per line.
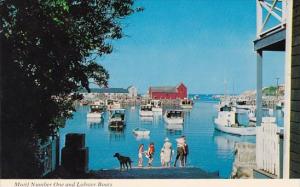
x=166, y=153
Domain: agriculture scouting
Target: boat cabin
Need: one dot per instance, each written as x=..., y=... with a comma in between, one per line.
x=120, y=113
x=156, y=103
x=226, y=108
x=187, y=102
x=175, y=114
x=97, y=108
x=146, y=107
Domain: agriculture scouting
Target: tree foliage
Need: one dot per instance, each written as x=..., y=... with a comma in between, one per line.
x=45, y=47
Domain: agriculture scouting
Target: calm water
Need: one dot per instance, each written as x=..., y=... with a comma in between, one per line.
x=210, y=149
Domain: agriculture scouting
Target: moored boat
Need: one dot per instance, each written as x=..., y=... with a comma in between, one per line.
x=156, y=106
x=96, y=110
x=174, y=117
x=141, y=132
x=227, y=122
x=112, y=104
x=117, y=118
x=186, y=104
x=146, y=111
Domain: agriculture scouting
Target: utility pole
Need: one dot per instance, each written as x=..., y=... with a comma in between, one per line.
x=277, y=88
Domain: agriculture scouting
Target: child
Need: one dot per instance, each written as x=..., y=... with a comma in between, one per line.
x=162, y=157
x=150, y=154
x=140, y=155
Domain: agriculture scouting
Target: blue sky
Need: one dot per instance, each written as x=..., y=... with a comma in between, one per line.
x=198, y=42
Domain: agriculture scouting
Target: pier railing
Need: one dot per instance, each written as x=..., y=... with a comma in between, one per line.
x=268, y=148
x=270, y=16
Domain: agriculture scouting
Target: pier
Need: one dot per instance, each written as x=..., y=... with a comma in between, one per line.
x=142, y=173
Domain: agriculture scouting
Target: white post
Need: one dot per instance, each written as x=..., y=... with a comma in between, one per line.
x=259, y=67
x=287, y=96
x=284, y=12
x=258, y=19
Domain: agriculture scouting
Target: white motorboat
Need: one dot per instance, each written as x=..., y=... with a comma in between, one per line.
x=252, y=117
x=174, y=117
x=117, y=118
x=141, y=132
x=96, y=110
x=227, y=122
x=156, y=106
x=146, y=111
x=186, y=104
x=112, y=104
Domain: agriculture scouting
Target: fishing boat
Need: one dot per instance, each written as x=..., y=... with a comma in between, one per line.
x=251, y=115
x=96, y=110
x=141, y=132
x=186, y=104
x=174, y=117
x=266, y=119
x=227, y=122
x=156, y=106
x=112, y=104
x=146, y=111
x=196, y=97
x=117, y=118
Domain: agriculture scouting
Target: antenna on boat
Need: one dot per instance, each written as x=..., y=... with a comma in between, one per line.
x=225, y=89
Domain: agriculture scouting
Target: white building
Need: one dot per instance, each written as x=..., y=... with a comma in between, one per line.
x=132, y=91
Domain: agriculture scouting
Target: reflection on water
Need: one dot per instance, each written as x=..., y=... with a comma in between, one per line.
x=116, y=135
x=140, y=137
x=209, y=149
x=94, y=122
x=225, y=141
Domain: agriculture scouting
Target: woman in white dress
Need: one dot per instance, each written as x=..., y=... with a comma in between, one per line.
x=167, y=150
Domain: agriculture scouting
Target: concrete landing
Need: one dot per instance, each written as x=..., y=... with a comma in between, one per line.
x=154, y=173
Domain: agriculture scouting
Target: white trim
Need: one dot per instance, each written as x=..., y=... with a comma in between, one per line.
x=287, y=97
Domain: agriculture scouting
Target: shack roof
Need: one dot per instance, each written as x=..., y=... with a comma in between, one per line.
x=109, y=90
x=166, y=89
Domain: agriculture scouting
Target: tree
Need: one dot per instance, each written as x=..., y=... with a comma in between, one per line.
x=46, y=48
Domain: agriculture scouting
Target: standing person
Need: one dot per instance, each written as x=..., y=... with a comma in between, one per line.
x=162, y=157
x=150, y=154
x=140, y=155
x=180, y=151
x=186, y=152
x=167, y=152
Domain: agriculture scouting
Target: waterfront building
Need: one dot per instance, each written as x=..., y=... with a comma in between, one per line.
x=132, y=91
x=168, y=92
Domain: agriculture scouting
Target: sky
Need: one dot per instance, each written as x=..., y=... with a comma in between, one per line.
x=201, y=43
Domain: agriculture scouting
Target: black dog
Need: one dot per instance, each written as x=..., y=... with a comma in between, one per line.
x=124, y=161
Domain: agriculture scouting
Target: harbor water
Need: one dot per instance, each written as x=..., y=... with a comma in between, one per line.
x=209, y=149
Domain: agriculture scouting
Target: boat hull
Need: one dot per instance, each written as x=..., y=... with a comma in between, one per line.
x=186, y=106
x=94, y=115
x=173, y=120
x=242, y=131
x=141, y=132
x=117, y=124
x=157, y=110
x=146, y=113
